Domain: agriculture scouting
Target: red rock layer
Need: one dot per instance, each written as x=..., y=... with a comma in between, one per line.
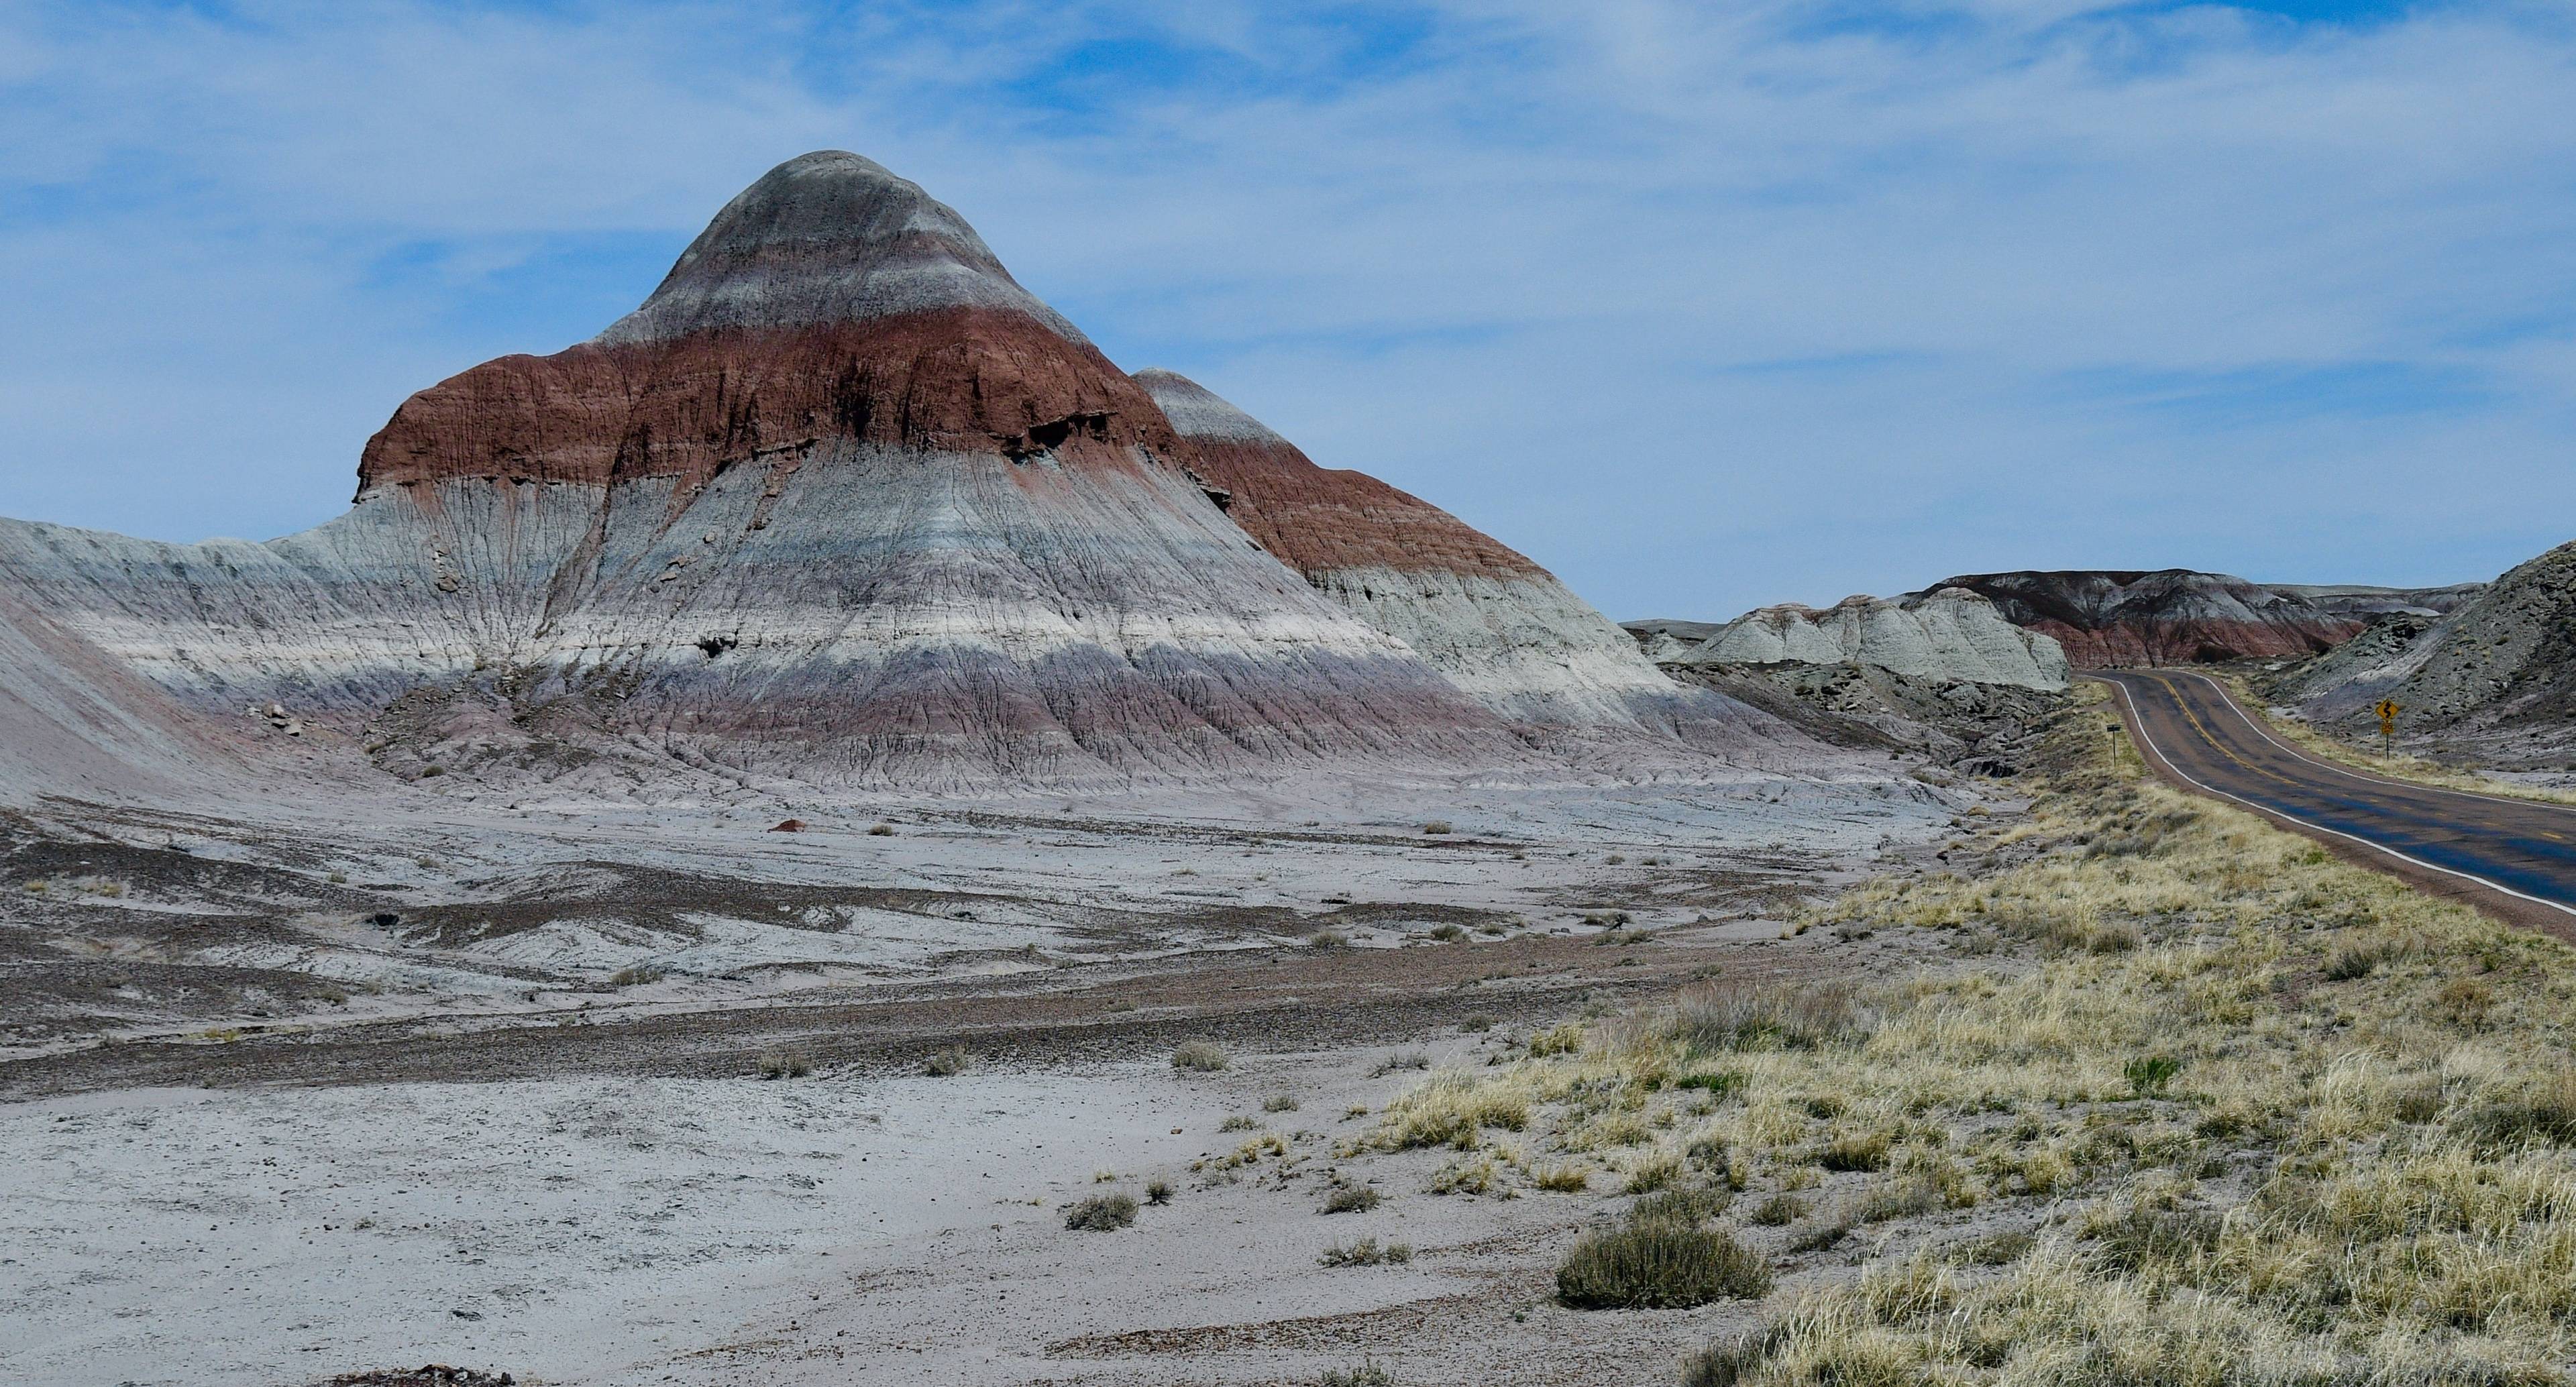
x=2113, y=619
x=1318, y=520
x=960, y=379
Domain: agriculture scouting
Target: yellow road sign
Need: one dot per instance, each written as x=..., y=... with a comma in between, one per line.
x=2386, y=709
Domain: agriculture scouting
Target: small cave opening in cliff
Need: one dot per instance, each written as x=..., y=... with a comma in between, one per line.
x=713, y=646
x=1055, y=433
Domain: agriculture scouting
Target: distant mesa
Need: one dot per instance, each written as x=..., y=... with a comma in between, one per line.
x=840, y=503
x=2106, y=618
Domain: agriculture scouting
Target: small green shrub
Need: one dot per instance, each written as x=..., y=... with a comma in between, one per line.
x=2148, y=1074
x=1279, y=1102
x=1367, y=1374
x=1106, y=1213
x=1448, y=934
x=1158, y=1191
x=1658, y=1264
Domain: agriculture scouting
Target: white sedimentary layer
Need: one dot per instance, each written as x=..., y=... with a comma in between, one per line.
x=1525, y=646
x=1949, y=633
x=873, y=615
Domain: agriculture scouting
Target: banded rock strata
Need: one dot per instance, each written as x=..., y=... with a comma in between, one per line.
x=1489, y=620
x=841, y=502
x=2104, y=619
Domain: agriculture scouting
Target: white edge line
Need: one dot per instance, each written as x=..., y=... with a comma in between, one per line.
x=2365, y=777
x=2139, y=721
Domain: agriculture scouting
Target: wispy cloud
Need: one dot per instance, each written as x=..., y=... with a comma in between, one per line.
x=1703, y=305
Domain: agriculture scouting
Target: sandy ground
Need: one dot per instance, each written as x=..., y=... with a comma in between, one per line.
x=469, y=1146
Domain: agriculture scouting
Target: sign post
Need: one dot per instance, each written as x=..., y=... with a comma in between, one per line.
x=2387, y=710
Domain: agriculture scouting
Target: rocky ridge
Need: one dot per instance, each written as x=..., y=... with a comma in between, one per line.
x=841, y=504
x=2496, y=673
x=2113, y=618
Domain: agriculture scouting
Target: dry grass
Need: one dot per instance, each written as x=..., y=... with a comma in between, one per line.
x=1106, y=1213
x=1655, y=1263
x=785, y=1064
x=1367, y=1252
x=948, y=1062
x=2273, y=1119
x=1200, y=1056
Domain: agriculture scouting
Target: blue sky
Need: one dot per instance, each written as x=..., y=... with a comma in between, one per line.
x=1702, y=305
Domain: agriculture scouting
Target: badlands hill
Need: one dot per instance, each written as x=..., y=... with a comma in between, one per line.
x=1947, y=634
x=843, y=504
x=1493, y=623
x=2364, y=602
x=2106, y=619
x=1938, y=673
x=2498, y=670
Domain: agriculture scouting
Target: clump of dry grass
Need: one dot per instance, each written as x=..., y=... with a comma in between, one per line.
x=636, y=975
x=785, y=1064
x=948, y=1061
x=1343, y=1197
x=1366, y=1252
x=1561, y=1179
x=1104, y=1213
x=1735, y=1015
x=1200, y=1056
x=1660, y=1264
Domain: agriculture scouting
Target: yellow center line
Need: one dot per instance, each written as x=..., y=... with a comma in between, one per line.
x=2183, y=707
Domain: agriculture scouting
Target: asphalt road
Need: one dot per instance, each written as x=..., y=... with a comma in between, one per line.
x=2515, y=858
